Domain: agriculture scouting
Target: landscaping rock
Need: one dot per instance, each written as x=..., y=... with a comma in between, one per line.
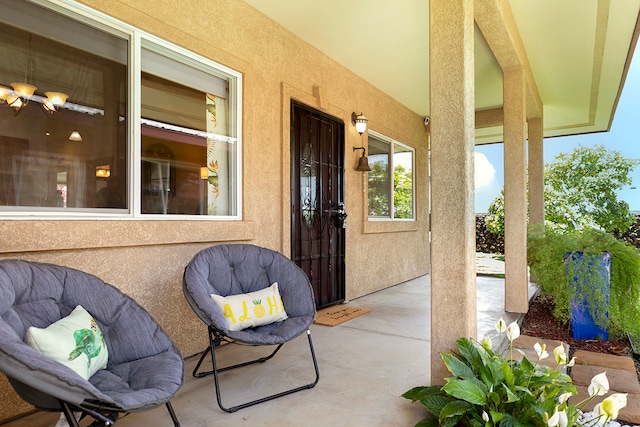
x=632, y=235
x=486, y=241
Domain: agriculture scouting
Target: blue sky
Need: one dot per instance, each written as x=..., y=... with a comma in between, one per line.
x=623, y=137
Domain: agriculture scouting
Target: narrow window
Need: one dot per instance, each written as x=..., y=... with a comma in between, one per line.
x=391, y=189
x=188, y=151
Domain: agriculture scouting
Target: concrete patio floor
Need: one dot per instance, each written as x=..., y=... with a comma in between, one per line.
x=365, y=365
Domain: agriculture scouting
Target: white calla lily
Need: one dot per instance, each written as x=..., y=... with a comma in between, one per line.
x=501, y=325
x=564, y=420
x=541, y=351
x=560, y=355
x=620, y=398
x=564, y=397
x=599, y=385
x=513, y=331
x=611, y=406
x=559, y=418
x=486, y=343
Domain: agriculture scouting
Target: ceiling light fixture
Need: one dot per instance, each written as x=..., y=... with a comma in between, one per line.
x=22, y=92
x=75, y=136
x=53, y=101
x=9, y=96
x=4, y=93
x=103, y=171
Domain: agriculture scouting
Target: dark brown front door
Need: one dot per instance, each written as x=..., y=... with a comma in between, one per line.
x=317, y=201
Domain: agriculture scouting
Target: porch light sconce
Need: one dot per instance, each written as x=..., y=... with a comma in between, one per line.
x=363, y=162
x=360, y=122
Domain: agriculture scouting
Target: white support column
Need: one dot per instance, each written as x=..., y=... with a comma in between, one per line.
x=515, y=196
x=453, y=268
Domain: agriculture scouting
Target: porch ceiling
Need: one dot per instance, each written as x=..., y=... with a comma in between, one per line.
x=578, y=52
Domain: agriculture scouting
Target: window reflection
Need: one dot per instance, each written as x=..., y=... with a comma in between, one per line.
x=188, y=155
x=64, y=112
x=40, y=167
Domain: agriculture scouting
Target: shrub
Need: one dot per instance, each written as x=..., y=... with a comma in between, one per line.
x=547, y=250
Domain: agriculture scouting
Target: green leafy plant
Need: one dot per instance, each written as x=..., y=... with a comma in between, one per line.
x=547, y=250
x=494, y=220
x=486, y=389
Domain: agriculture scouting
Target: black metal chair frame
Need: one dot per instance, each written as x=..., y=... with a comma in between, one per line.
x=215, y=340
x=103, y=415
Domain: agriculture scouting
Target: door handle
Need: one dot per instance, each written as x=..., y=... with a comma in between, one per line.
x=339, y=216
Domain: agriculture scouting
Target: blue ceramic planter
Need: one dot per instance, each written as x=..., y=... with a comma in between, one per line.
x=583, y=327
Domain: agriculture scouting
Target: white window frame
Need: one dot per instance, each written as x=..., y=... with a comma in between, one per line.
x=392, y=142
x=137, y=39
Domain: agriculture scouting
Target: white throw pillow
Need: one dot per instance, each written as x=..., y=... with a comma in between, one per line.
x=75, y=341
x=253, y=309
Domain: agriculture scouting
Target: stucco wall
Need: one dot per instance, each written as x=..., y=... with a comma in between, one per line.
x=146, y=258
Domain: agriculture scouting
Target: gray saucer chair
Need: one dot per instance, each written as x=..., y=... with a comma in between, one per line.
x=232, y=269
x=144, y=370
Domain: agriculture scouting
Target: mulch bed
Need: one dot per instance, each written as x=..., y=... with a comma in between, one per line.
x=539, y=322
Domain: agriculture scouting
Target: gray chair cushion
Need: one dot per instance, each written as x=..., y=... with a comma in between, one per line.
x=242, y=268
x=145, y=368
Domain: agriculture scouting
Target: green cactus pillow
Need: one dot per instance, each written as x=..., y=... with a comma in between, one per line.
x=75, y=341
x=253, y=309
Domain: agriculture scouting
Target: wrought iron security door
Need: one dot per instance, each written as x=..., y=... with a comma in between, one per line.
x=318, y=218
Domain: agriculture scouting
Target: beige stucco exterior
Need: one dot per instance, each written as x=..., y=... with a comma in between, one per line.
x=146, y=258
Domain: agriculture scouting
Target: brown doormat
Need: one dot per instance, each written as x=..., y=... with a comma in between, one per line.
x=336, y=315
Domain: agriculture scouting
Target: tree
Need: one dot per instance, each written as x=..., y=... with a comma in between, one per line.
x=403, y=192
x=379, y=191
x=580, y=192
